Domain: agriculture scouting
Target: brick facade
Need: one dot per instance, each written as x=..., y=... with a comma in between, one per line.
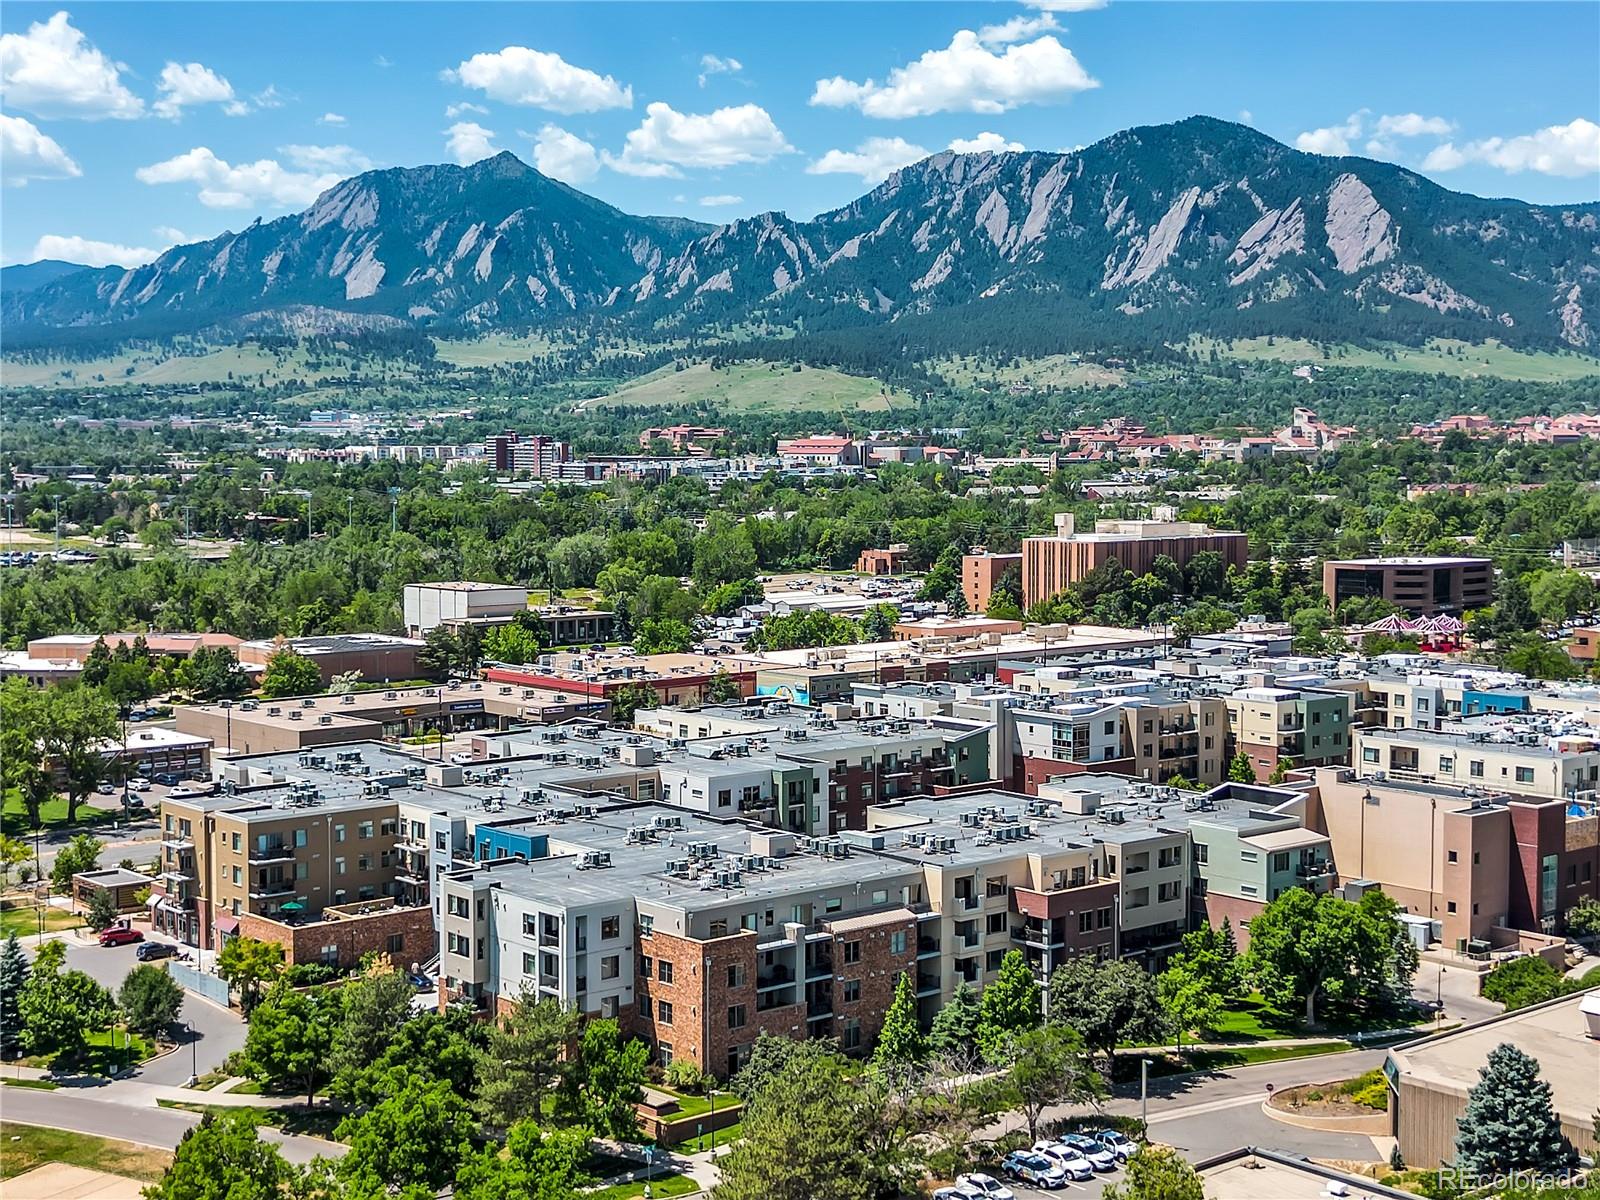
x=876, y=969
x=352, y=936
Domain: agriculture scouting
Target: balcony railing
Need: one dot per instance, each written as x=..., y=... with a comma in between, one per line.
x=777, y=976
x=1314, y=870
x=927, y=982
x=282, y=852
x=820, y=967
x=927, y=946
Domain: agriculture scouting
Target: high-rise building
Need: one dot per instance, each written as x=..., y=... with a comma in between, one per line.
x=1050, y=565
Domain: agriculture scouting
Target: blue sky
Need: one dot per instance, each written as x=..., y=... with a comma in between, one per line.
x=128, y=127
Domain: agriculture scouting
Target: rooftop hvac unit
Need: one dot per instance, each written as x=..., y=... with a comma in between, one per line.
x=325, y=719
x=308, y=703
x=294, y=714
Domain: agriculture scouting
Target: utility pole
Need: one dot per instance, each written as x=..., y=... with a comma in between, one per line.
x=1144, y=1094
x=188, y=513
x=57, y=502
x=394, y=510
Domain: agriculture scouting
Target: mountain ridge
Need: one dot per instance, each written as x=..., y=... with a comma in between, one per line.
x=1153, y=233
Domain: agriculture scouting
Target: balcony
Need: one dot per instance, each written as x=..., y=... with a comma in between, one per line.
x=767, y=1001
x=177, y=843
x=1037, y=936
x=1314, y=870
x=928, y=982
x=927, y=947
x=547, y=980
x=820, y=967
x=968, y=903
x=267, y=889
x=280, y=852
x=775, y=977
x=414, y=845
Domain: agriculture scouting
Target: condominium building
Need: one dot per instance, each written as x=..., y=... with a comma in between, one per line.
x=981, y=572
x=1292, y=725
x=1529, y=756
x=1422, y=586
x=1050, y=565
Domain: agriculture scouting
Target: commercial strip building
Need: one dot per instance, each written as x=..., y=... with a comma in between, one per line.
x=1422, y=586
x=1429, y=1080
x=1050, y=565
x=373, y=657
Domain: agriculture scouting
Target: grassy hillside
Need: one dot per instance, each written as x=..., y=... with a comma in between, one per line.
x=756, y=387
x=1461, y=360
x=1054, y=370
x=243, y=364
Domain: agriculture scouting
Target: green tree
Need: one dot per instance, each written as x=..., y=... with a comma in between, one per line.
x=528, y=1054
x=13, y=853
x=373, y=1010
x=535, y=1165
x=1523, y=981
x=81, y=721
x=290, y=674
x=224, y=1158
x=1047, y=1066
x=101, y=911
x=81, y=854
x=445, y=1046
x=1107, y=1002
x=721, y=689
x=24, y=749
x=629, y=699
x=150, y=999
x=1583, y=918
x=96, y=664
x=246, y=964
x=1188, y=999
x=955, y=1026
x=290, y=1038
x=1510, y=1123
x=606, y=1082
x=1211, y=954
x=1536, y=658
x=60, y=1008
x=1240, y=769
x=955, y=602
x=1558, y=596
x=512, y=643
x=878, y=622
x=417, y=1136
x=13, y=977
x=1157, y=1173
x=1008, y=1006
x=770, y=1056
x=662, y=635
x=900, y=1043
x=213, y=673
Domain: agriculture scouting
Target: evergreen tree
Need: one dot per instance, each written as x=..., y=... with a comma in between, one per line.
x=955, y=1026
x=96, y=664
x=1240, y=769
x=102, y=910
x=13, y=975
x=1510, y=1123
x=901, y=1043
x=1008, y=1006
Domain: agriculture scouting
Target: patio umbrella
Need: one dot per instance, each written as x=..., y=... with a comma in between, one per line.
x=292, y=906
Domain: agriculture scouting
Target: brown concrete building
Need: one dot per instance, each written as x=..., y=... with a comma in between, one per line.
x=75, y=647
x=120, y=883
x=1423, y=586
x=378, y=657
x=1585, y=644
x=980, y=572
x=891, y=560
x=1050, y=565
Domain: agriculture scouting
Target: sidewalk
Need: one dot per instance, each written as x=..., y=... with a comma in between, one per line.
x=698, y=1167
x=136, y=1093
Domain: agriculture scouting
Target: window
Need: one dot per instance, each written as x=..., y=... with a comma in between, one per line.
x=610, y=1006
x=610, y=927
x=996, y=924
x=440, y=841
x=897, y=939
x=664, y=1012
x=850, y=1037
x=237, y=876
x=1085, y=921
x=718, y=928
x=735, y=975
x=993, y=959
x=299, y=837
x=833, y=904
x=610, y=966
x=1280, y=862
x=664, y=970
x=1202, y=853
x=396, y=943
x=1103, y=919
x=364, y=830
x=529, y=967
x=647, y=925
x=1369, y=754
x=364, y=862
x=851, y=991
x=1447, y=764
x=736, y=1016
x=881, y=896
x=459, y=943
x=1524, y=774
x=1452, y=856
x=994, y=888
x=1475, y=768
x=852, y=952
x=646, y=963
x=1450, y=906
x=235, y=838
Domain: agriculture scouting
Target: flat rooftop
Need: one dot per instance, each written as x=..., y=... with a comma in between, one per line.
x=1251, y=1174
x=1423, y=561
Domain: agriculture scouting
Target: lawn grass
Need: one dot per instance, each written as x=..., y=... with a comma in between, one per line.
x=1252, y=1019
x=52, y=815
x=1169, y=1063
x=313, y=1122
x=24, y=920
x=693, y=1104
x=725, y=1137
x=41, y=1085
x=662, y=1185
x=755, y=387
x=105, y=1053
x=24, y=1147
x=1464, y=360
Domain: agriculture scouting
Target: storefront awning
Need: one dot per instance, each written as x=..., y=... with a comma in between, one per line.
x=227, y=924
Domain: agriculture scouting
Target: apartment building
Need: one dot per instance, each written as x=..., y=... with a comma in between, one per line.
x=1050, y=565
x=1249, y=852
x=981, y=572
x=1422, y=586
x=1530, y=756
x=1294, y=725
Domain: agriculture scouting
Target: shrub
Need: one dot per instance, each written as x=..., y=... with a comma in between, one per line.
x=308, y=974
x=682, y=1075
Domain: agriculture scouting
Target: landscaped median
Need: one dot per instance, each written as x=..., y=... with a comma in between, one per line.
x=24, y=1147
x=1358, y=1105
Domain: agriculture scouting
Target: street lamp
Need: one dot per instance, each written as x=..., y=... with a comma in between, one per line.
x=1144, y=1094
x=194, y=1054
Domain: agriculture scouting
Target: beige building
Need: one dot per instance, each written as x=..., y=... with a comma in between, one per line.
x=1511, y=755
x=1050, y=565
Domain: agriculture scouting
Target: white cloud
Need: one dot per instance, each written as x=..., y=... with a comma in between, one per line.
x=518, y=75
x=1413, y=125
x=1017, y=29
x=225, y=185
x=267, y=98
x=564, y=156
x=712, y=64
x=1570, y=150
x=466, y=106
x=175, y=237
x=721, y=201
x=1066, y=5
x=873, y=160
x=984, y=143
x=91, y=253
x=1334, y=139
x=467, y=142
x=668, y=140
x=26, y=153
x=383, y=60
x=331, y=118
x=184, y=85
x=965, y=77
x=344, y=159
x=1247, y=116
x=52, y=71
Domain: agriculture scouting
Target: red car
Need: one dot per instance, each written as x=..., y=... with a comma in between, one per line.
x=120, y=935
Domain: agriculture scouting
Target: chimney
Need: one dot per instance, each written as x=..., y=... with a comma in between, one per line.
x=1065, y=526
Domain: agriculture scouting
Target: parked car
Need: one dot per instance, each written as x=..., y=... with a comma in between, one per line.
x=1034, y=1169
x=168, y=779
x=150, y=950
x=136, y=784
x=105, y=789
x=986, y=1186
x=957, y=1193
x=120, y=935
x=1120, y=1144
x=1073, y=1165
x=1099, y=1157
x=188, y=791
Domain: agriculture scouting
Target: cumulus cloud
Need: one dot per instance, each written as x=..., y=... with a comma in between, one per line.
x=1247, y=116
x=90, y=252
x=344, y=159
x=221, y=184
x=668, y=140
x=331, y=118
x=564, y=156
x=175, y=237
x=873, y=160
x=467, y=142
x=720, y=201
x=1332, y=139
x=26, y=153
x=964, y=77
x=1018, y=29
x=466, y=106
x=185, y=85
x=984, y=143
x=53, y=71
x=1569, y=150
x=539, y=79
x=712, y=64
x=1413, y=125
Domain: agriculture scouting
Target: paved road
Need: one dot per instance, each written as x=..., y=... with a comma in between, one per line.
x=220, y=1031
x=70, y=1108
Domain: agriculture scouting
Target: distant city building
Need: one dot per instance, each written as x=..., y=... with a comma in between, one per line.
x=695, y=439
x=891, y=560
x=425, y=605
x=1423, y=586
x=981, y=572
x=1050, y=565
x=527, y=454
x=821, y=450
x=378, y=657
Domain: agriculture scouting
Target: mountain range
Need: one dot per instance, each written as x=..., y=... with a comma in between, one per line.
x=1155, y=233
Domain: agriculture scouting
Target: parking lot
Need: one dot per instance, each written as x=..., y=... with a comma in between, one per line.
x=1087, y=1189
